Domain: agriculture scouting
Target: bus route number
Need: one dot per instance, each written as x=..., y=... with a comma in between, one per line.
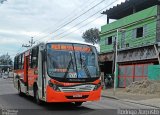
x=72, y=75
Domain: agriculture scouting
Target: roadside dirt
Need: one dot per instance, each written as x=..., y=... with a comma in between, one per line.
x=144, y=87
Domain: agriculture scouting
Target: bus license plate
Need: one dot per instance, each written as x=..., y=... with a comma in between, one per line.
x=77, y=95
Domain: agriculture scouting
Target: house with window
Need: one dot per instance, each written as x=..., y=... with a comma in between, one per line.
x=136, y=27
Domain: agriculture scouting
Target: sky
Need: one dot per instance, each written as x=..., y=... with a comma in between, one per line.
x=44, y=20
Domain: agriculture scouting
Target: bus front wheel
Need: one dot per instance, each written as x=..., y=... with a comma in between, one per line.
x=36, y=96
x=19, y=89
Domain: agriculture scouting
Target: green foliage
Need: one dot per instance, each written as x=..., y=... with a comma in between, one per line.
x=5, y=60
x=91, y=35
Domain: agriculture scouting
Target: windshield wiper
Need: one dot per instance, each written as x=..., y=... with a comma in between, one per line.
x=69, y=65
x=85, y=66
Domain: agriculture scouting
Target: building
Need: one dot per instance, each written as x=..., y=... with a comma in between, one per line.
x=137, y=27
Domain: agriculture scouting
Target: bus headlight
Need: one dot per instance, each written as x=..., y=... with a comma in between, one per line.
x=97, y=86
x=54, y=86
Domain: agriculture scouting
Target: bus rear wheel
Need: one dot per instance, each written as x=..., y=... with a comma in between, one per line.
x=78, y=104
x=19, y=90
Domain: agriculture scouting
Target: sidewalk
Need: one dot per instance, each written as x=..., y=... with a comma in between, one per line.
x=121, y=94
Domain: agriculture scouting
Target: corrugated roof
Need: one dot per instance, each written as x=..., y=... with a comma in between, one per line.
x=126, y=8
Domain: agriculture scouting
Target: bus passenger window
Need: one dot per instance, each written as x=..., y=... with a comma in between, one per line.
x=19, y=62
x=15, y=63
x=30, y=58
x=22, y=67
x=34, y=58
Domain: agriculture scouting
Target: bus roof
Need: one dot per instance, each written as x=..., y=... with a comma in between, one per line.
x=70, y=41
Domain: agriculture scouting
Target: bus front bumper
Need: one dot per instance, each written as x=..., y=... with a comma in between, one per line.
x=55, y=96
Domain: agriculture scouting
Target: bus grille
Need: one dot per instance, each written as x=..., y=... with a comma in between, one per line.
x=79, y=88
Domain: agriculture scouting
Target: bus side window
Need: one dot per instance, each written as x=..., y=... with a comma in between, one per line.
x=15, y=63
x=30, y=58
x=34, y=58
x=19, y=61
x=22, y=67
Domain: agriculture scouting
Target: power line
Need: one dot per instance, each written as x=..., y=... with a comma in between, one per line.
x=78, y=16
x=86, y=24
x=88, y=18
x=77, y=24
x=84, y=21
x=80, y=27
x=73, y=19
x=70, y=16
x=26, y=45
x=97, y=18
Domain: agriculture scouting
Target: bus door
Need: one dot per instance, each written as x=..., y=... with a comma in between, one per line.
x=41, y=73
x=26, y=66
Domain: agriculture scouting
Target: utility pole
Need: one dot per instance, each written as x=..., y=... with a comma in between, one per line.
x=157, y=53
x=31, y=42
x=115, y=63
x=115, y=60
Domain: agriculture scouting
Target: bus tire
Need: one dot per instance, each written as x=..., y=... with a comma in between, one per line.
x=19, y=89
x=78, y=104
x=36, y=96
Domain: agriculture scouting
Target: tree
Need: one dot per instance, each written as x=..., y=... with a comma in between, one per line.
x=1, y=1
x=5, y=60
x=91, y=35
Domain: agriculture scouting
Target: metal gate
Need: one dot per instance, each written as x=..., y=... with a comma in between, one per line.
x=130, y=73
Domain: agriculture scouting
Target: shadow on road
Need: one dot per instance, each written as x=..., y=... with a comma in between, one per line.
x=56, y=106
x=26, y=106
x=15, y=101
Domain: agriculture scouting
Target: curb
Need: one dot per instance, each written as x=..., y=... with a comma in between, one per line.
x=130, y=101
x=111, y=97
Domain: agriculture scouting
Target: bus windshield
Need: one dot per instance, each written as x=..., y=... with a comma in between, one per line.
x=74, y=61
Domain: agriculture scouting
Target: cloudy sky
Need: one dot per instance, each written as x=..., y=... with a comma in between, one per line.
x=45, y=19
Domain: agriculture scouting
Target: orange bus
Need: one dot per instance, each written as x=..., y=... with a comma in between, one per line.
x=58, y=72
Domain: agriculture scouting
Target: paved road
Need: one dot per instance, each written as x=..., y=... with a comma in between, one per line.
x=9, y=99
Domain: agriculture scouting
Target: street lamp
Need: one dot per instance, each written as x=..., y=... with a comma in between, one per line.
x=115, y=61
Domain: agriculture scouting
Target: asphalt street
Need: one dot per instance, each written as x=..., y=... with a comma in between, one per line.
x=10, y=100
